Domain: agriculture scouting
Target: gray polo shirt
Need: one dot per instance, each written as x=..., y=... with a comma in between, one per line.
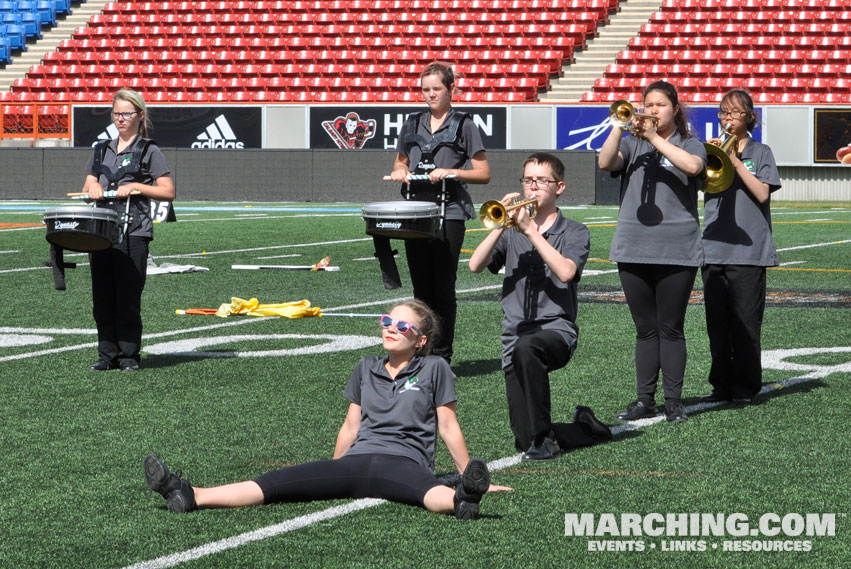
x=153, y=166
x=736, y=227
x=399, y=416
x=657, y=221
x=447, y=156
x=533, y=298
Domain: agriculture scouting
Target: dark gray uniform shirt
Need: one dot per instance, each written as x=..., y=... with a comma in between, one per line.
x=657, y=221
x=533, y=298
x=399, y=416
x=456, y=156
x=153, y=166
x=736, y=227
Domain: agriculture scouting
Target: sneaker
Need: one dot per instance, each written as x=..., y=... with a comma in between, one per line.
x=638, y=410
x=178, y=493
x=674, y=412
x=742, y=400
x=546, y=449
x=475, y=481
x=599, y=431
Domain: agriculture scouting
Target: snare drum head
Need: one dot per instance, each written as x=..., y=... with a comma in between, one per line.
x=400, y=210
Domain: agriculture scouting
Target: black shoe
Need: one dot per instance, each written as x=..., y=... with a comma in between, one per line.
x=715, y=397
x=674, y=412
x=742, y=400
x=101, y=365
x=475, y=481
x=178, y=493
x=129, y=365
x=638, y=410
x=547, y=449
x=599, y=431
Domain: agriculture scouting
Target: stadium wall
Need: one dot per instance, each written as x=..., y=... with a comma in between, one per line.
x=277, y=175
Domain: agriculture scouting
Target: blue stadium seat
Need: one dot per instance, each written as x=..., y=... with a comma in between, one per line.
x=46, y=12
x=5, y=50
x=62, y=6
x=15, y=36
x=31, y=25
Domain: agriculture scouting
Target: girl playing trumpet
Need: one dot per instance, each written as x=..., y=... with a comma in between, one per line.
x=657, y=241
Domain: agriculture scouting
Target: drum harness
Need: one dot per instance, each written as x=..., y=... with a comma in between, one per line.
x=445, y=137
x=131, y=167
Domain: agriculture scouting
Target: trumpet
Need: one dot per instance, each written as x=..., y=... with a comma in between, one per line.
x=494, y=215
x=622, y=112
x=719, y=167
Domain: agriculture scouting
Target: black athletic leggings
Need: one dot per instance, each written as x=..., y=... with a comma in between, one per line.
x=394, y=478
x=658, y=296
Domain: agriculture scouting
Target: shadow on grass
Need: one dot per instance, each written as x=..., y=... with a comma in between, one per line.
x=476, y=367
x=803, y=387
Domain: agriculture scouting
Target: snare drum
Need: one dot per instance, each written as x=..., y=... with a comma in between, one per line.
x=402, y=219
x=81, y=228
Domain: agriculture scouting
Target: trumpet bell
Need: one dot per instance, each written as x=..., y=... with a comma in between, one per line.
x=494, y=215
x=621, y=113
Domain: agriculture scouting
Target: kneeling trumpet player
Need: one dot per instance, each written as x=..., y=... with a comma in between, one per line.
x=543, y=261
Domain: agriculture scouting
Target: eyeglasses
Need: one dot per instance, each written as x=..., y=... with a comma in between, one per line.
x=542, y=183
x=402, y=326
x=126, y=115
x=731, y=114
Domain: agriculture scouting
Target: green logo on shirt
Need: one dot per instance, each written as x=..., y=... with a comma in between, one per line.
x=750, y=166
x=127, y=160
x=410, y=384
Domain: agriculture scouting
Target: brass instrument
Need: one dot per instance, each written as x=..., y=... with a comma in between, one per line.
x=719, y=167
x=622, y=112
x=494, y=215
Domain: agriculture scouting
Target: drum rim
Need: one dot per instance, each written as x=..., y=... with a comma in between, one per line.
x=101, y=213
x=400, y=209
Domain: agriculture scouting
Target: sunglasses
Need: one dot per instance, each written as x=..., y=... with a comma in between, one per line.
x=402, y=326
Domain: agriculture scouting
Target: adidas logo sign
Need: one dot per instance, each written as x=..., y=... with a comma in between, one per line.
x=110, y=133
x=218, y=135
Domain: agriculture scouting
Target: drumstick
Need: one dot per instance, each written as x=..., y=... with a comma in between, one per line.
x=106, y=194
x=414, y=177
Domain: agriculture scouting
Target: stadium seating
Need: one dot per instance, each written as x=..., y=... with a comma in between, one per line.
x=329, y=49
x=372, y=51
x=782, y=51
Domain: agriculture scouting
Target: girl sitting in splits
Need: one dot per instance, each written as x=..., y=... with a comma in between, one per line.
x=385, y=448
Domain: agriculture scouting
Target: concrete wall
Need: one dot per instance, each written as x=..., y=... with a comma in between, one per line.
x=276, y=175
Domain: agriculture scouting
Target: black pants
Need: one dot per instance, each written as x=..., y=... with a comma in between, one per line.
x=527, y=387
x=658, y=296
x=118, y=278
x=734, y=297
x=394, y=478
x=434, y=266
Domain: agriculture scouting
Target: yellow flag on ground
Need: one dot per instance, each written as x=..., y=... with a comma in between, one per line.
x=252, y=307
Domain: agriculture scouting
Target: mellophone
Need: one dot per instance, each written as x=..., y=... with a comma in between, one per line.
x=83, y=228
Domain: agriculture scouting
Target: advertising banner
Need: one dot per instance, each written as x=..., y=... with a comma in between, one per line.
x=586, y=128
x=179, y=126
x=378, y=127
